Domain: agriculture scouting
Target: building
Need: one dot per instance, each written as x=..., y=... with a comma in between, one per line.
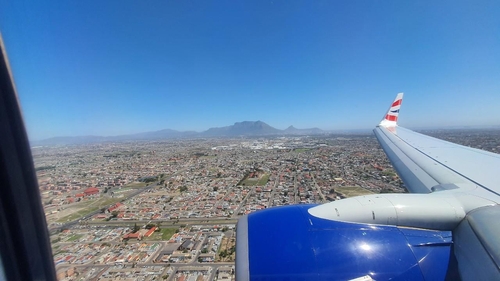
x=91, y=191
x=115, y=207
x=187, y=245
x=153, y=229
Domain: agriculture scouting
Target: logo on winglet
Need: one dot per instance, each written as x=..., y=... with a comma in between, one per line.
x=391, y=117
x=396, y=103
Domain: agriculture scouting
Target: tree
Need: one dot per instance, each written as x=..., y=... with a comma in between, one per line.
x=114, y=214
x=223, y=254
x=136, y=228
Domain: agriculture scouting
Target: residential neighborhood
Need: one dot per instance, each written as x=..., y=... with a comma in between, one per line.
x=167, y=210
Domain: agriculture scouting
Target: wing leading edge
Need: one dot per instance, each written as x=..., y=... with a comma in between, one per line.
x=427, y=164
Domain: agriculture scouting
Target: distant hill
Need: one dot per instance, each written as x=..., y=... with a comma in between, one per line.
x=294, y=131
x=70, y=140
x=155, y=135
x=245, y=128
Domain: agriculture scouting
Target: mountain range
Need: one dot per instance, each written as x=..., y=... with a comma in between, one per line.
x=245, y=128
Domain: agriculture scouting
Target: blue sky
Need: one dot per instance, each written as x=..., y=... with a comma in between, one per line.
x=116, y=67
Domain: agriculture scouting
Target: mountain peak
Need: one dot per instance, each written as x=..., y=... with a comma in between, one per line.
x=244, y=128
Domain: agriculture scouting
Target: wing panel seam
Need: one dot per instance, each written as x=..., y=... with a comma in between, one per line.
x=446, y=166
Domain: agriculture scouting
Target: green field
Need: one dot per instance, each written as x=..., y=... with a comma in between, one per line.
x=263, y=180
x=351, y=191
x=92, y=206
x=164, y=234
x=122, y=190
x=256, y=182
x=135, y=185
x=299, y=150
x=74, y=237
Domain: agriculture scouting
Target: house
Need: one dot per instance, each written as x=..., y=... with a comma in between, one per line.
x=153, y=229
x=91, y=191
x=115, y=207
x=187, y=245
x=137, y=235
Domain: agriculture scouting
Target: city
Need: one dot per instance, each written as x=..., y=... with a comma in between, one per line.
x=144, y=125
x=167, y=210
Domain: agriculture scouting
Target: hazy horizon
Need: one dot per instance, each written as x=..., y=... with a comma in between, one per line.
x=106, y=68
x=332, y=131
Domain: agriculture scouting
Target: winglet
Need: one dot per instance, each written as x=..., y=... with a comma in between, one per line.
x=391, y=118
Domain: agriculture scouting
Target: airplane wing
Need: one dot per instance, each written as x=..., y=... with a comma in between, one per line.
x=446, y=229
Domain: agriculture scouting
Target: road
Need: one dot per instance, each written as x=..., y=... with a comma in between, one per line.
x=318, y=188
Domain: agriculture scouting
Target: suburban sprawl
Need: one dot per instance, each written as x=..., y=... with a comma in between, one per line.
x=167, y=209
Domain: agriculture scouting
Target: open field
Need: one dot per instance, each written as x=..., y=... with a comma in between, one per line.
x=299, y=150
x=351, y=191
x=226, y=251
x=122, y=190
x=163, y=235
x=74, y=237
x=90, y=207
x=135, y=185
x=261, y=181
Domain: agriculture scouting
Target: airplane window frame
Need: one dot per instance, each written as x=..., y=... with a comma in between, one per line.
x=25, y=248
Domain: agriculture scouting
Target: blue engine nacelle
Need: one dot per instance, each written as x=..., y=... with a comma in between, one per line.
x=287, y=243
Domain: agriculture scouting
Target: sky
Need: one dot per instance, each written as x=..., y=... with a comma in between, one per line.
x=126, y=66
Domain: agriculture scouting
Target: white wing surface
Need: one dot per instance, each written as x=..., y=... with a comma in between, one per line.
x=427, y=164
x=448, y=228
